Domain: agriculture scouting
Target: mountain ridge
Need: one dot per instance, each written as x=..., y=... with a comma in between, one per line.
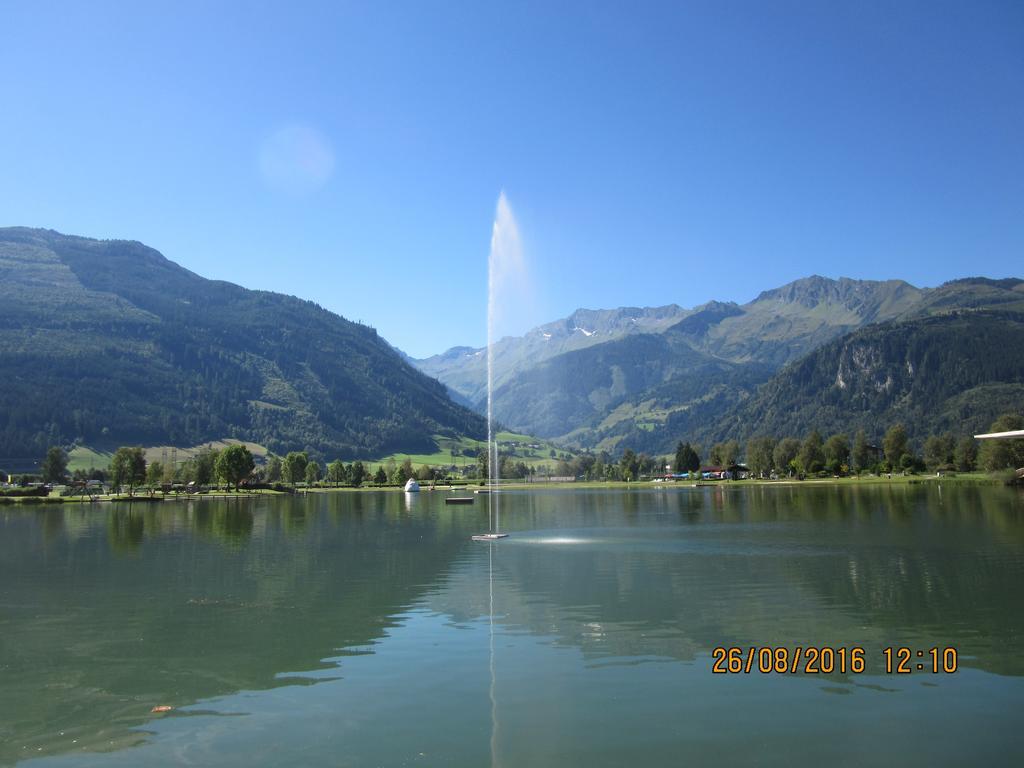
x=110, y=341
x=776, y=327
x=694, y=371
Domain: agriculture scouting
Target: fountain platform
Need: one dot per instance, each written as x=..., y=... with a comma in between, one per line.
x=488, y=536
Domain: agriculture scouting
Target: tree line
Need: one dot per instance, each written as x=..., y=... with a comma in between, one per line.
x=234, y=466
x=764, y=456
x=838, y=455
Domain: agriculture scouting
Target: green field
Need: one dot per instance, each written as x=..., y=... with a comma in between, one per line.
x=512, y=443
x=83, y=457
x=449, y=451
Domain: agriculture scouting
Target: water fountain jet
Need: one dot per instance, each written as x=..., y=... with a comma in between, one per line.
x=504, y=264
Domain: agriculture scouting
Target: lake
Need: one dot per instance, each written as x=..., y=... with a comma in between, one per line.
x=367, y=629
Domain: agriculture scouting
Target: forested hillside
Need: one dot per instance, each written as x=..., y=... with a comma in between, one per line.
x=815, y=353
x=108, y=342
x=952, y=372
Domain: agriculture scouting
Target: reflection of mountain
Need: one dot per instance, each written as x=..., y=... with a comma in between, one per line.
x=770, y=566
x=118, y=611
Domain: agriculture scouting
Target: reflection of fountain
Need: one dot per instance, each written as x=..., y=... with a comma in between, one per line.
x=494, y=700
x=504, y=264
x=410, y=501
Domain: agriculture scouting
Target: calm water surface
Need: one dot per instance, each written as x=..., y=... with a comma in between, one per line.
x=367, y=629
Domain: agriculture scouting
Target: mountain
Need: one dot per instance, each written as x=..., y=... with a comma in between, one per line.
x=785, y=323
x=599, y=377
x=951, y=372
x=464, y=369
x=108, y=342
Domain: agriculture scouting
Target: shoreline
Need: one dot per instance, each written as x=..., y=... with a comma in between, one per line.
x=974, y=478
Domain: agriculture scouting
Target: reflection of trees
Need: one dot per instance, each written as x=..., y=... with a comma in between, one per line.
x=219, y=596
x=229, y=521
x=53, y=522
x=125, y=529
x=874, y=566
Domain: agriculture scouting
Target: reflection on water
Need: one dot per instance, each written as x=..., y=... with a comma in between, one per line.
x=318, y=623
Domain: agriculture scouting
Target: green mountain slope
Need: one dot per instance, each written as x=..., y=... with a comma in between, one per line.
x=600, y=375
x=464, y=369
x=955, y=371
x=577, y=386
x=786, y=323
x=107, y=342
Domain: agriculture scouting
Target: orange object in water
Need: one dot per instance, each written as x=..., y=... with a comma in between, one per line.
x=162, y=708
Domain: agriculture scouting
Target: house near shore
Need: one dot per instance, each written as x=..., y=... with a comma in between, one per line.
x=732, y=472
x=738, y=471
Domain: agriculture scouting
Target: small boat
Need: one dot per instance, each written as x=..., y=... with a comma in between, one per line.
x=411, y=486
x=488, y=536
x=459, y=500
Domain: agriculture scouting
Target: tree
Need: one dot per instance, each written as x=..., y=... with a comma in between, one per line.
x=837, y=449
x=861, y=451
x=55, y=465
x=1002, y=454
x=401, y=473
x=759, y=455
x=336, y=472
x=645, y=464
x=128, y=467
x=424, y=473
x=234, y=464
x=938, y=451
x=274, y=470
x=966, y=454
x=687, y=459
x=725, y=454
x=812, y=455
x=584, y=463
x=380, y=476
x=154, y=474
x=206, y=466
x=357, y=473
x=785, y=454
x=628, y=465
x=894, y=444
x=293, y=468
x=679, y=465
x=312, y=473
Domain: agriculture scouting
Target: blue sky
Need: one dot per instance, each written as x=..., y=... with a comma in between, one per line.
x=353, y=153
